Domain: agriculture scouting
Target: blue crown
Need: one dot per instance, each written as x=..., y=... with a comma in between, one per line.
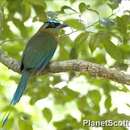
x=52, y=23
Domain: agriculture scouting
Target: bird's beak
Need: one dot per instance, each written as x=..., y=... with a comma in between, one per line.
x=62, y=26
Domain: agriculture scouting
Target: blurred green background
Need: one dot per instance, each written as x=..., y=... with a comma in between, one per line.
x=99, y=32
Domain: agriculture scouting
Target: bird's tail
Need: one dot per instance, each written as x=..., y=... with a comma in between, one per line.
x=18, y=93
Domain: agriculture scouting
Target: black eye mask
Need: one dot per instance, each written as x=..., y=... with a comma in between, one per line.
x=52, y=23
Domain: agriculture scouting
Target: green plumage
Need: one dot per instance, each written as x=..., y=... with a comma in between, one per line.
x=39, y=51
x=36, y=56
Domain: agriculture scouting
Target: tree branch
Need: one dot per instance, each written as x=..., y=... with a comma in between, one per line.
x=72, y=65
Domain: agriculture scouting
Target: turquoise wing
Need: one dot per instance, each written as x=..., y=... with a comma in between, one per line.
x=39, y=51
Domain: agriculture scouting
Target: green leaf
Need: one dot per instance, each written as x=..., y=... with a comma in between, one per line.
x=81, y=38
x=83, y=7
x=100, y=58
x=65, y=7
x=20, y=25
x=2, y=3
x=120, y=65
x=94, y=41
x=81, y=46
x=70, y=94
x=94, y=96
x=108, y=103
x=25, y=125
x=56, y=79
x=41, y=91
x=73, y=53
x=114, y=3
x=126, y=50
x=13, y=7
x=7, y=33
x=40, y=12
x=75, y=23
x=72, y=1
x=65, y=44
x=82, y=104
x=113, y=50
x=122, y=23
x=16, y=46
x=64, y=95
x=38, y=3
x=25, y=11
x=47, y=114
x=69, y=123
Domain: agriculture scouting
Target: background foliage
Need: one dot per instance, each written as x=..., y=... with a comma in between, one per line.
x=61, y=101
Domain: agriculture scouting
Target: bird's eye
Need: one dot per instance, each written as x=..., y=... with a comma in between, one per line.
x=52, y=24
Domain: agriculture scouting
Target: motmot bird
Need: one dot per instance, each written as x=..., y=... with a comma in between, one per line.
x=37, y=54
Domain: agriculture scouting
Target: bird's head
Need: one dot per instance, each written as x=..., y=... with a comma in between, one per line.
x=54, y=24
